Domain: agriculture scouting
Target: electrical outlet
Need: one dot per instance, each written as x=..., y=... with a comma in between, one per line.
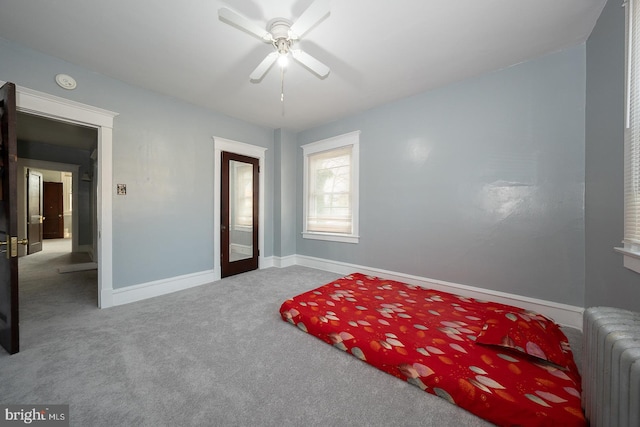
x=121, y=189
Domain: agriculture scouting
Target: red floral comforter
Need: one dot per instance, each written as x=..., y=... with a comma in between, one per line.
x=507, y=365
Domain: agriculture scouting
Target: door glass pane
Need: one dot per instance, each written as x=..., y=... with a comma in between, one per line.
x=241, y=210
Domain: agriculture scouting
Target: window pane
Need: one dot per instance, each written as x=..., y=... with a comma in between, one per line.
x=632, y=135
x=331, y=168
x=330, y=191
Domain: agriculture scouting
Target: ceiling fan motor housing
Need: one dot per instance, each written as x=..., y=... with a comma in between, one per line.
x=282, y=45
x=279, y=28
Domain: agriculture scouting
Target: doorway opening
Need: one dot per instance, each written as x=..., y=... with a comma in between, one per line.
x=17, y=100
x=57, y=206
x=48, y=106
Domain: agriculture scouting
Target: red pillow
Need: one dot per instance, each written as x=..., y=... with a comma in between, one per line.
x=529, y=333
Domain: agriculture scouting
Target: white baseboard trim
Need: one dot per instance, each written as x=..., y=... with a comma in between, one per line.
x=563, y=314
x=105, y=298
x=287, y=261
x=265, y=262
x=241, y=249
x=84, y=266
x=160, y=287
x=91, y=254
x=85, y=248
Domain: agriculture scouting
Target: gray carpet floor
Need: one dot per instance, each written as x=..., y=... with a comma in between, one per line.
x=215, y=355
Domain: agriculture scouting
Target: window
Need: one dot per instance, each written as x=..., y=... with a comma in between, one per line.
x=331, y=189
x=631, y=250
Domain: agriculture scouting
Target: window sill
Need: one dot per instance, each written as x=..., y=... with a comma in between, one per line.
x=333, y=237
x=631, y=259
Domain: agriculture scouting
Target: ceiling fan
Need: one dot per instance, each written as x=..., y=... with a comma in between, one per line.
x=282, y=34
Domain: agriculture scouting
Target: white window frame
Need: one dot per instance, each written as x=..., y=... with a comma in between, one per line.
x=631, y=248
x=349, y=139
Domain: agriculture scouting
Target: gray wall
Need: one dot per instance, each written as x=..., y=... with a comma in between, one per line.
x=285, y=193
x=503, y=181
x=163, y=151
x=479, y=183
x=607, y=281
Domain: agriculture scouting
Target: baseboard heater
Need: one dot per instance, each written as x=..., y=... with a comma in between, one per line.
x=611, y=367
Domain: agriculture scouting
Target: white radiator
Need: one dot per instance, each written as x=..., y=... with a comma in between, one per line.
x=611, y=367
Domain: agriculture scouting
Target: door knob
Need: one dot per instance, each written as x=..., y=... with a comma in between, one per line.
x=12, y=246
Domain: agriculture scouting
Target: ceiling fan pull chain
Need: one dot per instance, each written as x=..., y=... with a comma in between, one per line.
x=282, y=88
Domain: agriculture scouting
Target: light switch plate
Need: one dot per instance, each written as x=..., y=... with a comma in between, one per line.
x=121, y=189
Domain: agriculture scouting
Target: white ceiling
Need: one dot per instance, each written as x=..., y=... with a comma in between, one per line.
x=377, y=51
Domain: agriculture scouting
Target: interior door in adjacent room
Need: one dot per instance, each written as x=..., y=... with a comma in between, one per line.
x=34, y=211
x=53, y=224
x=9, y=332
x=239, y=214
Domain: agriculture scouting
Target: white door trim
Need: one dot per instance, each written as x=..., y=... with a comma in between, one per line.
x=220, y=145
x=45, y=105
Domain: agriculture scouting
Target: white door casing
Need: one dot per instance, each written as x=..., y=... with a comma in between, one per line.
x=220, y=145
x=49, y=106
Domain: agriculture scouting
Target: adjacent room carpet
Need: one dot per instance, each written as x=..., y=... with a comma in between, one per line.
x=215, y=355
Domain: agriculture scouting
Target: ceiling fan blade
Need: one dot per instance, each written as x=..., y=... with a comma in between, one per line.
x=310, y=62
x=239, y=21
x=315, y=13
x=263, y=67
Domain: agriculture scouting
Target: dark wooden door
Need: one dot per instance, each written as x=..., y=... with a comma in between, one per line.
x=9, y=332
x=34, y=211
x=53, y=224
x=239, y=214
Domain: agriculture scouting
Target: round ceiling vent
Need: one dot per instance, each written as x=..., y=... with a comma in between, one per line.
x=65, y=81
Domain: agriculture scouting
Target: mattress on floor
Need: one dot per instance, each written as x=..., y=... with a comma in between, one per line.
x=505, y=364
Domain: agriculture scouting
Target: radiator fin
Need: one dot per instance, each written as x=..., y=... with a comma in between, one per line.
x=611, y=367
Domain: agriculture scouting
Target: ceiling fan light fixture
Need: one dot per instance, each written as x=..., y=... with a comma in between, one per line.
x=283, y=60
x=282, y=45
x=283, y=34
